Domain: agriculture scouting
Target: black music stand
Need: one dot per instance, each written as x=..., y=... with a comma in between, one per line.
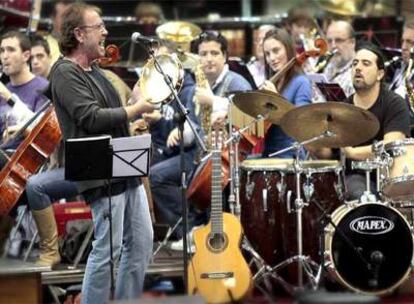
x=104, y=158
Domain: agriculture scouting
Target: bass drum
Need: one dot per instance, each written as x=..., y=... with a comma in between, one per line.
x=371, y=249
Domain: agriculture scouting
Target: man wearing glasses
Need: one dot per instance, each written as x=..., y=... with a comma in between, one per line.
x=88, y=105
x=407, y=45
x=340, y=38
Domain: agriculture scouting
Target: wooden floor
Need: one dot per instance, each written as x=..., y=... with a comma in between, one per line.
x=166, y=267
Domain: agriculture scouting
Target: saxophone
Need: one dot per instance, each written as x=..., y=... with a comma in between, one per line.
x=409, y=85
x=202, y=111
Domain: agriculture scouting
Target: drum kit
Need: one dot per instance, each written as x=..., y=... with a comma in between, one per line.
x=295, y=217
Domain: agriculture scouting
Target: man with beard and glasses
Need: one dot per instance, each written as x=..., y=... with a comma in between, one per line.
x=341, y=39
x=87, y=105
x=388, y=107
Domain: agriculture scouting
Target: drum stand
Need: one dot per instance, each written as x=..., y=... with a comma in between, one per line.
x=305, y=263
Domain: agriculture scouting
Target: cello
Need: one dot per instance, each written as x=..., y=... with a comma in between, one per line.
x=27, y=159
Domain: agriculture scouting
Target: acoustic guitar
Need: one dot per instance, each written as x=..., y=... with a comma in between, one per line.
x=218, y=271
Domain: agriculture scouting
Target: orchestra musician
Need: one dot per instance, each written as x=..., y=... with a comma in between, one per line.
x=22, y=96
x=293, y=85
x=256, y=65
x=41, y=57
x=341, y=38
x=211, y=46
x=87, y=105
x=398, y=84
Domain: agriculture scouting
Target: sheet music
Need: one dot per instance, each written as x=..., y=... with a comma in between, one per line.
x=131, y=155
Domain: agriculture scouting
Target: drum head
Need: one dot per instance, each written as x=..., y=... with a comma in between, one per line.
x=382, y=253
x=266, y=164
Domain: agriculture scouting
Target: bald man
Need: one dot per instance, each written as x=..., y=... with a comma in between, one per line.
x=341, y=37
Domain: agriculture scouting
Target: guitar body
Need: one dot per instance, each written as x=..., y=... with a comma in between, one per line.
x=218, y=271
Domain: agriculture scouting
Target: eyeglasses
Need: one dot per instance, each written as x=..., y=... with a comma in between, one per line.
x=209, y=33
x=101, y=26
x=337, y=40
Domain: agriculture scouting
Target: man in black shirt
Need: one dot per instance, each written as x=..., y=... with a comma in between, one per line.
x=389, y=108
x=87, y=105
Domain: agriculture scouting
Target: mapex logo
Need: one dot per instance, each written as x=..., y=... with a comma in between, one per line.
x=371, y=225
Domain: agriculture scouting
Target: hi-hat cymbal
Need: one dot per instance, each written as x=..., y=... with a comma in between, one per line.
x=342, y=119
x=178, y=31
x=266, y=103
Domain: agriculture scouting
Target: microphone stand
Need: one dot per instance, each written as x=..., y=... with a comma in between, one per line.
x=181, y=119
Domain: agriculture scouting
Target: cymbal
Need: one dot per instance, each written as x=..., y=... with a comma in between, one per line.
x=178, y=31
x=262, y=102
x=342, y=119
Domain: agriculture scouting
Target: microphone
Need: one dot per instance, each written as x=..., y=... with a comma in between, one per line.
x=139, y=38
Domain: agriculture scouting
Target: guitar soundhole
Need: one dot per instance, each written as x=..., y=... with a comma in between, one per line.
x=217, y=242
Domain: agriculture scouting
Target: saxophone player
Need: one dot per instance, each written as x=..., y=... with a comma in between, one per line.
x=398, y=84
x=211, y=46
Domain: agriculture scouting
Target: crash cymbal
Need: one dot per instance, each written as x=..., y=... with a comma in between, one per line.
x=342, y=119
x=178, y=31
x=262, y=102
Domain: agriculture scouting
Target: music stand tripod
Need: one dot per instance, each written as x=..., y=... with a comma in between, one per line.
x=98, y=160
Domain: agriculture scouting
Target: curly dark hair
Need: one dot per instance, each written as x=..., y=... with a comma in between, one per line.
x=71, y=19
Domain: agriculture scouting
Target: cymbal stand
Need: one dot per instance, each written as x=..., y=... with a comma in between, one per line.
x=234, y=179
x=305, y=263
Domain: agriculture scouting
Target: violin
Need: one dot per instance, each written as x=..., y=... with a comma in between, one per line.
x=321, y=47
x=111, y=56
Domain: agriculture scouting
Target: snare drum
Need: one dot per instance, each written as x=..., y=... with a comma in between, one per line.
x=399, y=182
x=371, y=251
x=267, y=195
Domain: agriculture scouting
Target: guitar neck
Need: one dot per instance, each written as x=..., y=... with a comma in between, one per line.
x=216, y=216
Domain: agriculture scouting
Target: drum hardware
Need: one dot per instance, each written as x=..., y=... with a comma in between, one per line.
x=337, y=117
x=304, y=261
x=368, y=166
x=264, y=103
x=398, y=184
x=370, y=231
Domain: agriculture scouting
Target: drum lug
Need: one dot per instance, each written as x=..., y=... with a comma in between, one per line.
x=249, y=187
x=399, y=152
x=281, y=186
x=339, y=186
x=288, y=201
x=308, y=190
x=264, y=198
